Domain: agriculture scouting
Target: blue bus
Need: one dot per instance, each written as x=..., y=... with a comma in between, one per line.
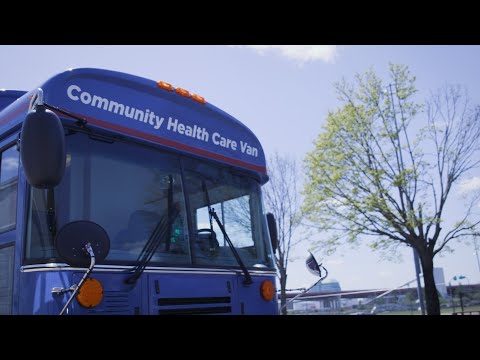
x=123, y=195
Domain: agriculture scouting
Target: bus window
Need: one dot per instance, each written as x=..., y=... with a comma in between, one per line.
x=8, y=188
x=6, y=280
x=125, y=188
x=235, y=198
x=235, y=215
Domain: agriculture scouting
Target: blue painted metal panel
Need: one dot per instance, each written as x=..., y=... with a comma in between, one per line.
x=187, y=294
x=119, y=298
x=13, y=115
x=36, y=297
x=9, y=96
x=253, y=304
x=153, y=294
x=137, y=107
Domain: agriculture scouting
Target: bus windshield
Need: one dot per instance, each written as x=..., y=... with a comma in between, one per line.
x=128, y=189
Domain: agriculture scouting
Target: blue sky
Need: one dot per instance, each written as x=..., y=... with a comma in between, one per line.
x=283, y=94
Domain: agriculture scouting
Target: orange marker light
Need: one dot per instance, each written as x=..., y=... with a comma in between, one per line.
x=183, y=92
x=90, y=294
x=165, y=85
x=267, y=290
x=199, y=98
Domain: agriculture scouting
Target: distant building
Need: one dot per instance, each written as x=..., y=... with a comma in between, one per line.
x=327, y=286
x=440, y=281
x=321, y=304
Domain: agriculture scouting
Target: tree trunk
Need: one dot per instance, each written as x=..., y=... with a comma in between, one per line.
x=283, y=292
x=431, y=293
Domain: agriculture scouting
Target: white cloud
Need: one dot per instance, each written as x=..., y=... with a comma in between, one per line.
x=469, y=185
x=299, y=53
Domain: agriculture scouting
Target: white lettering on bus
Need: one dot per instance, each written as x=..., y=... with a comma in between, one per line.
x=147, y=116
x=101, y=101
x=75, y=93
x=196, y=132
x=119, y=108
x=224, y=142
x=247, y=149
x=70, y=92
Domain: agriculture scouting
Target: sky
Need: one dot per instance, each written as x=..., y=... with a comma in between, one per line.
x=283, y=93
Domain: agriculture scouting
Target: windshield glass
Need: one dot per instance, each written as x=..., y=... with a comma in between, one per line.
x=122, y=187
x=237, y=202
x=128, y=189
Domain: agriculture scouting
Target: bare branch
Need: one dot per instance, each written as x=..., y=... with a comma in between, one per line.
x=376, y=174
x=282, y=199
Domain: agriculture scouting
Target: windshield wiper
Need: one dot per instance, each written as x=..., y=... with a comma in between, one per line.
x=211, y=213
x=152, y=244
x=163, y=227
x=51, y=215
x=248, y=278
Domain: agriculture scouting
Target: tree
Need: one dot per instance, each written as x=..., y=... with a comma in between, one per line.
x=282, y=199
x=375, y=174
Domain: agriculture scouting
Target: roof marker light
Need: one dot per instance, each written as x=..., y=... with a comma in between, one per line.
x=183, y=92
x=199, y=99
x=165, y=85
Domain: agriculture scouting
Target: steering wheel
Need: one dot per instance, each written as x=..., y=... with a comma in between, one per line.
x=213, y=244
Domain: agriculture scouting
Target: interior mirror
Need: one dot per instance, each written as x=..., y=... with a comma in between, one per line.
x=272, y=229
x=72, y=239
x=312, y=265
x=42, y=148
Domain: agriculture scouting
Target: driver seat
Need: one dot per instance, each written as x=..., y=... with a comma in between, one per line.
x=207, y=242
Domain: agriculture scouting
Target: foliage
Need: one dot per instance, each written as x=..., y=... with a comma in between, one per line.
x=384, y=166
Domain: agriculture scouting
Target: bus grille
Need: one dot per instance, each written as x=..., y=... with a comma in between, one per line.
x=195, y=305
x=115, y=302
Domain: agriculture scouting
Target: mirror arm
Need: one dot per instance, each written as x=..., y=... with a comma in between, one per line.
x=304, y=291
x=89, y=249
x=81, y=122
x=39, y=97
x=59, y=290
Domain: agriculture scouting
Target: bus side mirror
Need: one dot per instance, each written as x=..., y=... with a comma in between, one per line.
x=312, y=265
x=272, y=229
x=42, y=148
x=72, y=239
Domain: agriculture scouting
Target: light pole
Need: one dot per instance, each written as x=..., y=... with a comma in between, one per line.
x=452, y=297
x=460, y=293
x=416, y=260
x=475, y=235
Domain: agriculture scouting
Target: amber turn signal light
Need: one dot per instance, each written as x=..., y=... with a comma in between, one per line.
x=90, y=294
x=267, y=290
